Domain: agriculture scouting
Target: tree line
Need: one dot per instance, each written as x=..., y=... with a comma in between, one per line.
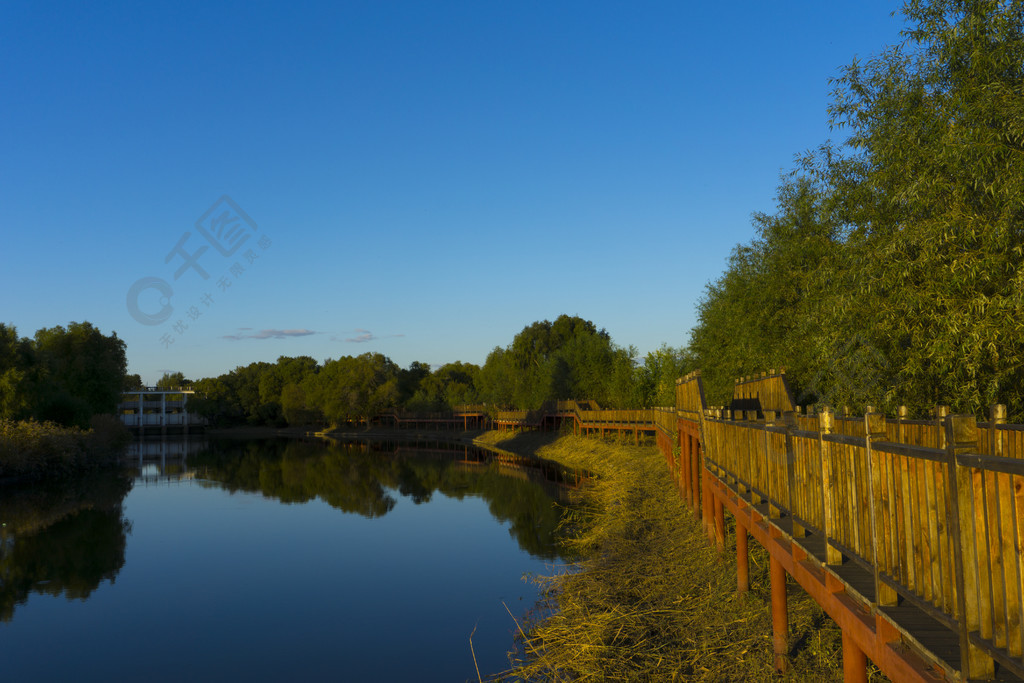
x=891, y=271
x=546, y=361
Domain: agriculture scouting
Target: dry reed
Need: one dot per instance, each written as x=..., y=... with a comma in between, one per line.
x=651, y=600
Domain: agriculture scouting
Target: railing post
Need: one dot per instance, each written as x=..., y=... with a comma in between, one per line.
x=874, y=430
x=997, y=416
x=773, y=510
x=789, y=420
x=833, y=556
x=941, y=413
x=961, y=436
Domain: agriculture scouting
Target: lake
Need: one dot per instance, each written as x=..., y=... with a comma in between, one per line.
x=277, y=560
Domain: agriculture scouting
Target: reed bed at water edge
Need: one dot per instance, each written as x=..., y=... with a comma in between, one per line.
x=651, y=600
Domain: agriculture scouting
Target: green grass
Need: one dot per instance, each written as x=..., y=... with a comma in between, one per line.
x=651, y=600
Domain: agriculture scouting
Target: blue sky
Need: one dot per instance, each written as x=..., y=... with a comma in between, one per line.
x=420, y=179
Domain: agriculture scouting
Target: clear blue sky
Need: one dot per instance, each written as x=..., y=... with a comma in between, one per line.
x=425, y=178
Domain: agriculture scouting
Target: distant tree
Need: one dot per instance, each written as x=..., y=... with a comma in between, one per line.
x=294, y=407
x=287, y=370
x=409, y=380
x=133, y=382
x=81, y=373
x=215, y=400
x=450, y=385
x=17, y=367
x=351, y=388
x=173, y=380
x=567, y=358
x=496, y=378
x=656, y=381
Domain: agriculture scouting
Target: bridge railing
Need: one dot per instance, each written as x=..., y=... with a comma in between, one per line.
x=941, y=527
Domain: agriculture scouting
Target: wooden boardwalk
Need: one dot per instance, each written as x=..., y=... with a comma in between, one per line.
x=908, y=533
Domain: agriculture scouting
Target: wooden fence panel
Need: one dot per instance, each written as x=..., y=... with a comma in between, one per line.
x=807, y=464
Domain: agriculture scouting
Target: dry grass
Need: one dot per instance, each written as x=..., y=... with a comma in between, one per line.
x=651, y=600
x=43, y=450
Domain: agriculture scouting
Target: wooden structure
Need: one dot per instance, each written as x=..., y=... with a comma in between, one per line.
x=463, y=417
x=908, y=533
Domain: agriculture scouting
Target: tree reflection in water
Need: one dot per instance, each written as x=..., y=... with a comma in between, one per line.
x=67, y=538
x=365, y=478
x=61, y=539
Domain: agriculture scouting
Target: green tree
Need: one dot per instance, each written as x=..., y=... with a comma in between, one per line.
x=17, y=362
x=934, y=183
x=567, y=358
x=352, y=388
x=173, y=380
x=450, y=385
x=294, y=407
x=81, y=373
x=891, y=271
x=656, y=382
x=410, y=381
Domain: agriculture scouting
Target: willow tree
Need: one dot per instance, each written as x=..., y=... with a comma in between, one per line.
x=891, y=272
x=934, y=183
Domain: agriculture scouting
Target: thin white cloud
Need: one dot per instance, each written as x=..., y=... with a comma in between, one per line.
x=268, y=334
x=362, y=336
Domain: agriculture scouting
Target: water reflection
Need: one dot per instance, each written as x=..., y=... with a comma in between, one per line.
x=400, y=538
x=61, y=539
x=364, y=479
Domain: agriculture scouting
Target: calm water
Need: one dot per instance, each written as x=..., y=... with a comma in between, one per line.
x=274, y=560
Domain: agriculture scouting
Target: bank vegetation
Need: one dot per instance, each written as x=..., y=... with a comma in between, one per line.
x=651, y=600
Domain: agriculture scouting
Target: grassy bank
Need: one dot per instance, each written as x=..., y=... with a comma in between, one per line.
x=31, y=451
x=652, y=601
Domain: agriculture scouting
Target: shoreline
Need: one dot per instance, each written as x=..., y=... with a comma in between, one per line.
x=651, y=599
x=353, y=434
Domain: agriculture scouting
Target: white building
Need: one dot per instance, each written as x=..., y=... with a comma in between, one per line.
x=154, y=407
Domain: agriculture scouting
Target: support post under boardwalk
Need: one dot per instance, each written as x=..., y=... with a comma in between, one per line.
x=742, y=560
x=855, y=664
x=780, y=615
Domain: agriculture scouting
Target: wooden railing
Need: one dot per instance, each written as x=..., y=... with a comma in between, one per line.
x=939, y=527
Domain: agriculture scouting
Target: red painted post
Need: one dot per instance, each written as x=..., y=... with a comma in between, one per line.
x=855, y=664
x=742, y=560
x=780, y=615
